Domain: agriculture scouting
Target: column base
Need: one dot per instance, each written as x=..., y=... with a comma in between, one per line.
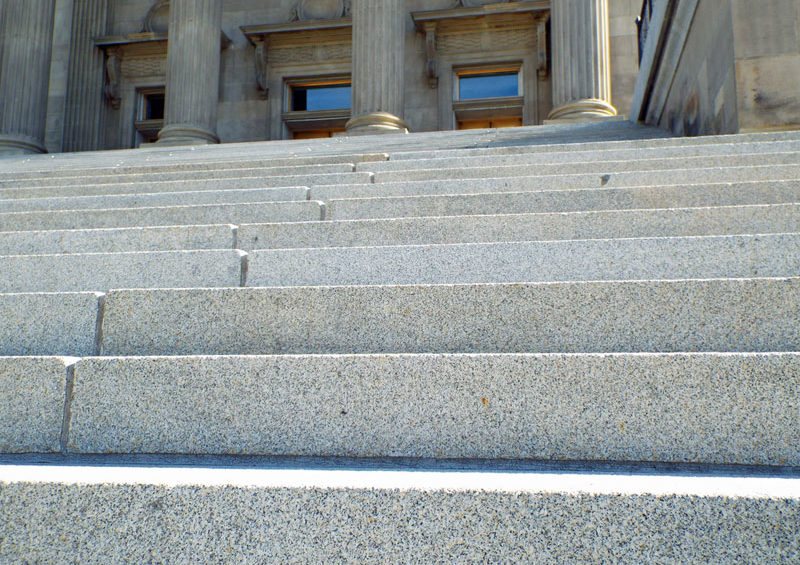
x=20, y=145
x=588, y=109
x=179, y=134
x=376, y=123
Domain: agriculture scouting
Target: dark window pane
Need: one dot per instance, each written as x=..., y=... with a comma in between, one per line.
x=488, y=85
x=323, y=97
x=154, y=107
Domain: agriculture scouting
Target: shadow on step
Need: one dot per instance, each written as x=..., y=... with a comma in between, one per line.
x=401, y=464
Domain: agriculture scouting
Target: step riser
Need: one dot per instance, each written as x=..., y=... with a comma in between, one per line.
x=32, y=413
x=741, y=220
x=479, y=168
x=50, y=324
x=188, y=174
x=779, y=218
x=718, y=315
x=176, y=165
x=219, y=524
x=471, y=159
x=158, y=199
x=662, y=197
x=164, y=216
x=184, y=186
x=101, y=272
x=173, y=238
x=551, y=184
x=732, y=409
x=581, y=260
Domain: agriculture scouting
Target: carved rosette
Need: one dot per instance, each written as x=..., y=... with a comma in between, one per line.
x=320, y=10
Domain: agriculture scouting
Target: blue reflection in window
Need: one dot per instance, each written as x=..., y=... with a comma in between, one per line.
x=488, y=85
x=322, y=97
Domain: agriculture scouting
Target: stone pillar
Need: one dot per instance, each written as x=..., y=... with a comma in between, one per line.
x=581, y=64
x=379, y=32
x=193, y=59
x=26, y=33
x=85, y=110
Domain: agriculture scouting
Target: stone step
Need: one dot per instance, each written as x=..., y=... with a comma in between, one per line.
x=675, y=222
x=740, y=179
x=290, y=183
x=426, y=169
x=561, y=200
x=691, y=408
x=149, y=200
x=471, y=158
x=311, y=171
x=759, y=314
x=51, y=323
x=722, y=220
x=104, y=271
x=108, y=240
x=735, y=163
x=178, y=165
x=694, y=408
x=249, y=212
x=168, y=511
x=290, y=149
x=520, y=261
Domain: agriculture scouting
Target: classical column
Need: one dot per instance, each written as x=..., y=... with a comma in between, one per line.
x=581, y=64
x=85, y=110
x=27, y=39
x=190, y=115
x=379, y=32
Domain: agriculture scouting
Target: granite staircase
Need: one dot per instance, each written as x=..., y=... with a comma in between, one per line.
x=555, y=344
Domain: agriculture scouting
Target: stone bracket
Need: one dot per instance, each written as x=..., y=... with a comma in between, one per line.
x=262, y=66
x=113, y=78
x=543, y=66
x=432, y=66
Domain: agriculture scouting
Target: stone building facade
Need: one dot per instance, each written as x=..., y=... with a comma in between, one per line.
x=79, y=75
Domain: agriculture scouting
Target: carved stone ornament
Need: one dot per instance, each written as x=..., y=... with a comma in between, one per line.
x=320, y=10
x=262, y=68
x=113, y=77
x=157, y=18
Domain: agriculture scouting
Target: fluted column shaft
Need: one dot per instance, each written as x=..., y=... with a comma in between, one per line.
x=379, y=33
x=83, y=120
x=193, y=61
x=581, y=63
x=26, y=33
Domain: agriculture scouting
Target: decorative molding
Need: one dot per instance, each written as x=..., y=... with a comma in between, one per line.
x=298, y=43
x=155, y=10
x=469, y=25
x=310, y=10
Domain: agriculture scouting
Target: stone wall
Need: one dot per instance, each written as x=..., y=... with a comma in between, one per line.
x=722, y=66
x=767, y=63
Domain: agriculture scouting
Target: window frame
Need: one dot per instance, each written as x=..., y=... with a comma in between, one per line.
x=330, y=121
